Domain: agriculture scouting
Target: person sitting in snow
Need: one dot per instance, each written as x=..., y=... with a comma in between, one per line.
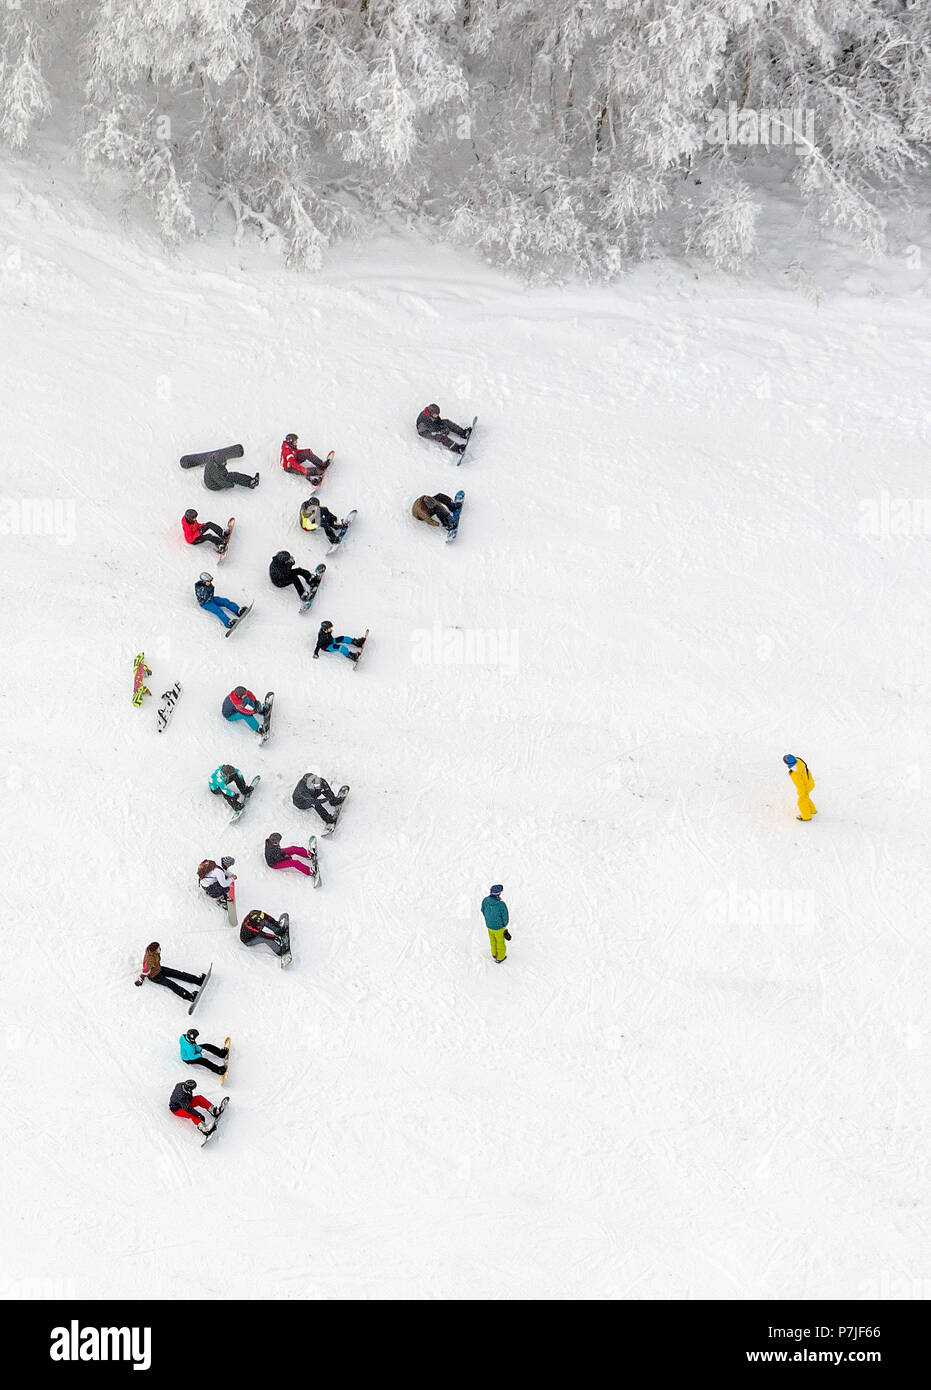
x=435, y=511
x=242, y=704
x=314, y=514
x=196, y=532
x=216, y=879
x=185, y=1103
x=350, y=647
x=431, y=425
x=293, y=460
x=192, y=1051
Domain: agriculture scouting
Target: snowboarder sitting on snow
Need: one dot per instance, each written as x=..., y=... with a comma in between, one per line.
x=350, y=647
x=283, y=571
x=804, y=784
x=495, y=913
x=192, y=1051
x=435, y=511
x=217, y=479
x=261, y=927
x=152, y=969
x=196, y=532
x=293, y=460
x=431, y=425
x=279, y=857
x=314, y=514
x=228, y=781
x=211, y=602
x=216, y=879
x=182, y=1103
x=242, y=704
x=314, y=793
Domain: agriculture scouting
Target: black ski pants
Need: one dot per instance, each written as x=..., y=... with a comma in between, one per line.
x=168, y=977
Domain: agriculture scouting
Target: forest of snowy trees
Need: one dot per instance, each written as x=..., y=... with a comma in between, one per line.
x=554, y=135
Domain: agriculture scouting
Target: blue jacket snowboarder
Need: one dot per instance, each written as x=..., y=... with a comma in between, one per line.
x=208, y=600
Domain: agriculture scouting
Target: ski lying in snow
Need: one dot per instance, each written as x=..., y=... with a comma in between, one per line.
x=453, y=531
x=167, y=708
x=340, y=797
x=227, y=534
x=140, y=671
x=343, y=528
x=460, y=457
x=316, y=579
x=249, y=790
x=216, y=1119
x=314, y=862
x=226, y=1044
x=232, y=451
x=201, y=989
x=234, y=622
x=267, y=712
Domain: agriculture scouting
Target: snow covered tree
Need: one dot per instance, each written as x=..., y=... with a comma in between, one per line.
x=559, y=137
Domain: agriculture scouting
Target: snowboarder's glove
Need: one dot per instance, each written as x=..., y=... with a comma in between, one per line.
x=138, y=982
x=507, y=934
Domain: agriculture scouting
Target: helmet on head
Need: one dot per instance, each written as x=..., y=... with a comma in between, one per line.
x=313, y=780
x=206, y=578
x=276, y=836
x=790, y=760
x=190, y=514
x=239, y=690
x=312, y=502
x=496, y=889
x=282, y=555
x=192, y=1034
x=290, y=439
x=189, y=1086
x=227, y=861
x=326, y=625
x=433, y=410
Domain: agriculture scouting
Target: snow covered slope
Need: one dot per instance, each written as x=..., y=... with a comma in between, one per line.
x=703, y=1070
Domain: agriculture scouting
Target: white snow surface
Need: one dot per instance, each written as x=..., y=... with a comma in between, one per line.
x=703, y=1069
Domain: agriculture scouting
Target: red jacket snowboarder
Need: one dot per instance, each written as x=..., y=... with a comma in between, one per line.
x=293, y=460
x=196, y=532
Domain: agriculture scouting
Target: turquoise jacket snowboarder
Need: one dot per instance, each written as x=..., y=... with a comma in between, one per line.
x=495, y=913
x=190, y=1051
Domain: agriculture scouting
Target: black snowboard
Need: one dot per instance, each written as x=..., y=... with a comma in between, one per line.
x=232, y=451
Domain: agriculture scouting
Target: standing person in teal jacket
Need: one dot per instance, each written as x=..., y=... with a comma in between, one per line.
x=192, y=1051
x=495, y=913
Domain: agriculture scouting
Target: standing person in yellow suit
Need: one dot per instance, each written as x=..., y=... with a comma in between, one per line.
x=804, y=782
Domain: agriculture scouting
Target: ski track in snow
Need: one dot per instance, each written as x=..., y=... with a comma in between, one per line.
x=660, y=553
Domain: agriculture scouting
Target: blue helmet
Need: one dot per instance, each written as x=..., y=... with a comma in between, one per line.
x=495, y=889
x=790, y=760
